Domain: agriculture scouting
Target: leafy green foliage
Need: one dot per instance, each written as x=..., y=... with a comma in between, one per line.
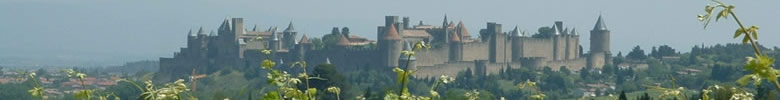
x=285, y=83
x=636, y=54
x=761, y=65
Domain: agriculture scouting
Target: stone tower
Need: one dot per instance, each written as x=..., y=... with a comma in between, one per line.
x=406, y=23
x=274, y=43
x=303, y=46
x=227, y=46
x=558, y=43
x=456, y=48
x=517, y=45
x=462, y=31
x=191, y=39
x=391, y=48
x=289, y=35
x=599, y=45
x=493, y=30
x=403, y=60
x=599, y=38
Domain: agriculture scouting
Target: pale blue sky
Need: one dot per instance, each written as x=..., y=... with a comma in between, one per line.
x=99, y=32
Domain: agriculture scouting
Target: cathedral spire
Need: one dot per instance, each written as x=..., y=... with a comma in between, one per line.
x=444, y=23
x=290, y=28
x=600, y=25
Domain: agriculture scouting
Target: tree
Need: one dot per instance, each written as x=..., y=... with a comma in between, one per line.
x=544, y=32
x=584, y=73
x=317, y=43
x=665, y=50
x=41, y=72
x=644, y=97
x=331, y=78
x=636, y=54
x=608, y=69
x=335, y=30
x=332, y=38
x=547, y=70
x=622, y=96
x=126, y=90
x=555, y=82
x=564, y=70
x=345, y=31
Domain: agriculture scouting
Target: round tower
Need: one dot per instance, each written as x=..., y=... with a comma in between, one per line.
x=517, y=45
x=456, y=48
x=289, y=36
x=303, y=46
x=599, y=45
x=392, y=47
x=599, y=37
x=405, y=60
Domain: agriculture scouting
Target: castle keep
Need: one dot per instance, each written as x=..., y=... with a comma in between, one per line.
x=234, y=46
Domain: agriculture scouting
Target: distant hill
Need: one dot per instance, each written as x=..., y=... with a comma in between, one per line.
x=133, y=67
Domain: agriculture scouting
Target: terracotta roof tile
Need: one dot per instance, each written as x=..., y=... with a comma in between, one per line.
x=392, y=34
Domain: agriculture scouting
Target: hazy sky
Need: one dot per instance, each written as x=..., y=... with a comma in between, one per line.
x=115, y=31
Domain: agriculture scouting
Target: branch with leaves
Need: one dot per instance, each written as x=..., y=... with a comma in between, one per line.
x=285, y=82
x=760, y=65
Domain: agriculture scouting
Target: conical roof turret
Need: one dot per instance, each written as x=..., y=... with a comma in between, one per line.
x=572, y=32
x=290, y=28
x=600, y=25
x=304, y=40
x=225, y=25
x=516, y=32
x=201, y=32
x=555, y=30
x=343, y=41
x=274, y=36
x=451, y=25
x=190, y=33
x=392, y=33
x=463, y=31
x=454, y=38
x=327, y=60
